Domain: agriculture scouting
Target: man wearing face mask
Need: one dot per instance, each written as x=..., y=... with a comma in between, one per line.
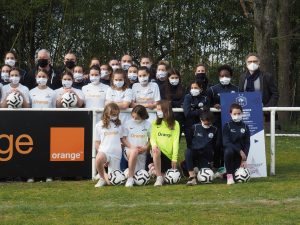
x=43, y=62
x=126, y=62
x=225, y=86
x=256, y=80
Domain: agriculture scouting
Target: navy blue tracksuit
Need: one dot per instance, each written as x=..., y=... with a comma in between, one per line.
x=236, y=137
x=201, y=151
x=213, y=94
x=193, y=107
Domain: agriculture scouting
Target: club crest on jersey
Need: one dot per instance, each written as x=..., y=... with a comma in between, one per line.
x=241, y=100
x=242, y=130
x=210, y=135
x=200, y=104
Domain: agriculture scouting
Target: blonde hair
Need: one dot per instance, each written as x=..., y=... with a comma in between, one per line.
x=109, y=108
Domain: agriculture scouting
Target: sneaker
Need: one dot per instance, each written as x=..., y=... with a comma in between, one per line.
x=220, y=173
x=101, y=182
x=49, y=179
x=30, y=180
x=159, y=181
x=230, y=179
x=129, y=182
x=97, y=177
x=192, y=181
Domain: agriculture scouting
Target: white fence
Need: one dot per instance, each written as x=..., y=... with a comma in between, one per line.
x=272, y=111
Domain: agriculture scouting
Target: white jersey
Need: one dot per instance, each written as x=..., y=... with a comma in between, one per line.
x=118, y=97
x=110, y=139
x=147, y=94
x=1, y=85
x=60, y=91
x=42, y=98
x=6, y=89
x=95, y=95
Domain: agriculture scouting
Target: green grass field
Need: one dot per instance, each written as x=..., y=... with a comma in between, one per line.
x=272, y=200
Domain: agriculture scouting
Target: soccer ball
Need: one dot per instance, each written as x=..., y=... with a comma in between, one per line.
x=205, y=176
x=173, y=176
x=14, y=100
x=141, y=177
x=68, y=100
x=116, y=177
x=242, y=175
x=126, y=172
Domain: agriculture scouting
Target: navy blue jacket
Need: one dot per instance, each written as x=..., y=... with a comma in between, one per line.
x=213, y=92
x=204, y=139
x=236, y=136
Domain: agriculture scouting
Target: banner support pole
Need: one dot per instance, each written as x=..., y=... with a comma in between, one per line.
x=272, y=142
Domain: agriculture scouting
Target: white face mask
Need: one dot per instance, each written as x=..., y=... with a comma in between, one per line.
x=148, y=66
x=113, y=118
x=161, y=74
x=160, y=114
x=236, y=118
x=252, y=66
x=125, y=66
x=67, y=83
x=95, y=79
x=114, y=67
x=41, y=81
x=78, y=77
x=174, y=82
x=132, y=76
x=195, y=92
x=225, y=80
x=143, y=80
x=10, y=62
x=14, y=80
x=205, y=126
x=5, y=76
x=103, y=73
x=119, y=84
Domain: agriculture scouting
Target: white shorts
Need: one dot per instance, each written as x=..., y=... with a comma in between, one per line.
x=113, y=162
x=140, y=162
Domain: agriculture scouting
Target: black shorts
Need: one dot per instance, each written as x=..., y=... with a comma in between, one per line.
x=166, y=163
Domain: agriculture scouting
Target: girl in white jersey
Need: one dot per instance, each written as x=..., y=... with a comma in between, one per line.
x=42, y=96
x=119, y=93
x=94, y=92
x=67, y=81
x=137, y=133
x=109, y=134
x=145, y=93
x=14, y=86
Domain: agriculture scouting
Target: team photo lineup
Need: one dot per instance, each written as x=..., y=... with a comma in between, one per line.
x=133, y=147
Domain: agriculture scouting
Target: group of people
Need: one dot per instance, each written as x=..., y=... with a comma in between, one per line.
x=120, y=84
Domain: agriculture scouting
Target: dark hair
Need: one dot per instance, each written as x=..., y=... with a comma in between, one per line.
x=146, y=57
x=179, y=90
x=7, y=66
x=207, y=116
x=12, y=52
x=141, y=111
x=164, y=63
x=200, y=64
x=199, y=83
x=15, y=68
x=144, y=68
x=95, y=68
x=109, y=68
x=69, y=73
x=135, y=66
x=168, y=114
x=252, y=54
x=126, y=81
x=42, y=70
x=235, y=106
x=225, y=67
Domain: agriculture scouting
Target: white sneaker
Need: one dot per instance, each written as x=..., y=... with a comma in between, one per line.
x=49, y=179
x=230, y=180
x=159, y=181
x=30, y=180
x=101, y=182
x=129, y=182
x=192, y=181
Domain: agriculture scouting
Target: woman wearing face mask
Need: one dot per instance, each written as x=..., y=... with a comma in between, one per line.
x=137, y=134
x=236, y=142
x=145, y=93
x=10, y=59
x=119, y=93
x=164, y=139
x=105, y=72
x=256, y=80
x=15, y=86
x=132, y=75
x=175, y=94
x=5, y=74
x=204, y=140
x=67, y=81
x=200, y=75
x=161, y=77
x=195, y=103
x=79, y=80
x=94, y=92
x=225, y=86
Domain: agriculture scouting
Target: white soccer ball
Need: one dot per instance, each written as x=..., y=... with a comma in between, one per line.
x=172, y=176
x=126, y=172
x=68, y=100
x=14, y=100
x=116, y=177
x=205, y=176
x=242, y=175
x=141, y=177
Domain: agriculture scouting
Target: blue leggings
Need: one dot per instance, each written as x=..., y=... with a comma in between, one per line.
x=201, y=159
x=232, y=160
